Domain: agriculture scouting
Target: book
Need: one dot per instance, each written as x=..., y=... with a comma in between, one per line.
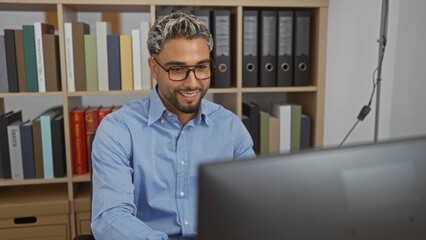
x=283, y=112
x=252, y=111
x=46, y=141
x=15, y=152
x=39, y=30
x=78, y=31
x=103, y=29
x=90, y=55
x=52, y=70
x=4, y=82
x=264, y=132
x=30, y=58
x=69, y=56
x=126, y=62
x=102, y=112
x=136, y=59
x=26, y=131
x=58, y=145
x=20, y=61
x=38, y=154
x=274, y=139
x=114, y=68
x=296, y=111
x=5, y=120
x=12, y=75
x=91, y=124
x=305, y=132
x=78, y=140
x=146, y=71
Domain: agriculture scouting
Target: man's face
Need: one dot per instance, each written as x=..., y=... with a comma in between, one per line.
x=181, y=96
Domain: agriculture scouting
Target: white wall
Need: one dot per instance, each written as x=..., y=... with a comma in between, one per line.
x=352, y=55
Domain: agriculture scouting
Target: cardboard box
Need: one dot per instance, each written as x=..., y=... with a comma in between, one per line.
x=82, y=207
x=35, y=212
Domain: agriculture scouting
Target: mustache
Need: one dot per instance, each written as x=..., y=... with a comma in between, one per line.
x=189, y=89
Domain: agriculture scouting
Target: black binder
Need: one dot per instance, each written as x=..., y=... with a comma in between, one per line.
x=285, y=48
x=250, y=50
x=222, y=48
x=203, y=16
x=302, y=64
x=12, y=72
x=268, y=55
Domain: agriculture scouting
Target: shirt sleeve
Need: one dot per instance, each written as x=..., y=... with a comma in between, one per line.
x=243, y=146
x=113, y=207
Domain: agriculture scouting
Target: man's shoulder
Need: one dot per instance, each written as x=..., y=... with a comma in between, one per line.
x=131, y=109
x=216, y=111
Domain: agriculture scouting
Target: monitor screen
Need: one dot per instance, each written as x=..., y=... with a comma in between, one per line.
x=375, y=191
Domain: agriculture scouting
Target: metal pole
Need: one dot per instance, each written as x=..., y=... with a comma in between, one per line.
x=382, y=45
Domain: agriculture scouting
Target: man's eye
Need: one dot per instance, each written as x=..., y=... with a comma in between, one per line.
x=203, y=67
x=176, y=69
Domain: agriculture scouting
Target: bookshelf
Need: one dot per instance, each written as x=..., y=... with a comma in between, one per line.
x=310, y=97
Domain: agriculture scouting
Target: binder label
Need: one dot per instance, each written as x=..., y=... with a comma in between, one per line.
x=268, y=36
x=286, y=33
x=250, y=35
x=222, y=35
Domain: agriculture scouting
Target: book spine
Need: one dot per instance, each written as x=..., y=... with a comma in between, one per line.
x=136, y=54
x=69, y=57
x=126, y=62
x=9, y=40
x=102, y=30
x=91, y=124
x=27, y=149
x=146, y=72
x=51, y=62
x=20, y=61
x=102, y=114
x=46, y=141
x=30, y=58
x=59, y=166
x=91, y=62
x=78, y=31
x=38, y=155
x=114, y=70
x=39, y=56
x=4, y=82
x=16, y=167
x=78, y=143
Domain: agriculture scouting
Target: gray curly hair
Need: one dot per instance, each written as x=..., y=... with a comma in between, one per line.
x=175, y=26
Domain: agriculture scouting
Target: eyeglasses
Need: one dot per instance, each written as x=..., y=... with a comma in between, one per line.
x=180, y=73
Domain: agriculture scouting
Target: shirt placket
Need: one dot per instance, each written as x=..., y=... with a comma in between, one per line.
x=182, y=176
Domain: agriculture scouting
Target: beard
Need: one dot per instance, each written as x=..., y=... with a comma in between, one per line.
x=187, y=107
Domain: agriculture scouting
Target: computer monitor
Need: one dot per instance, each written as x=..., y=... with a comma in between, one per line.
x=375, y=191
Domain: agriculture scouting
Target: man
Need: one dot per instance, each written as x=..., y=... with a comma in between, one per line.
x=146, y=155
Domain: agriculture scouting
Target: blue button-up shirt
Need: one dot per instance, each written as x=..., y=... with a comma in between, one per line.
x=145, y=167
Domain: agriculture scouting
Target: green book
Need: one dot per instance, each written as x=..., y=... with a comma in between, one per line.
x=296, y=114
x=90, y=55
x=30, y=58
x=264, y=132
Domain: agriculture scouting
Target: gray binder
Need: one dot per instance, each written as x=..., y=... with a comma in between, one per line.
x=285, y=48
x=302, y=58
x=250, y=51
x=268, y=55
x=203, y=16
x=222, y=48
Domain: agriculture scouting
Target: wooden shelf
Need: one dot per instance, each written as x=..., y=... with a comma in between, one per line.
x=280, y=89
x=81, y=178
x=30, y=94
x=10, y=182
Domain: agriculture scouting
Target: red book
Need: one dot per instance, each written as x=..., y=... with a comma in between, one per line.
x=91, y=121
x=78, y=133
x=102, y=112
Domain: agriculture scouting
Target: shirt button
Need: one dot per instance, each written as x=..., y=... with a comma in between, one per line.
x=170, y=114
x=162, y=121
x=182, y=132
x=182, y=163
x=186, y=222
x=182, y=194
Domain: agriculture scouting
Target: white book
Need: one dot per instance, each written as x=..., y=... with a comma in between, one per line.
x=69, y=57
x=15, y=152
x=103, y=29
x=283, y=112
x=146, y=71
x=38, y=40
x=136, y=55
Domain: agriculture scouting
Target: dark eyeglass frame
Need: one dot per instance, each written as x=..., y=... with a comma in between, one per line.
x=190, y=68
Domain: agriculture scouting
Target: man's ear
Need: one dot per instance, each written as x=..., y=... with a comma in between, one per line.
x=153, y=66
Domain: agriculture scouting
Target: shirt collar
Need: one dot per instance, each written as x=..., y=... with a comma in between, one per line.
x=157, y=108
